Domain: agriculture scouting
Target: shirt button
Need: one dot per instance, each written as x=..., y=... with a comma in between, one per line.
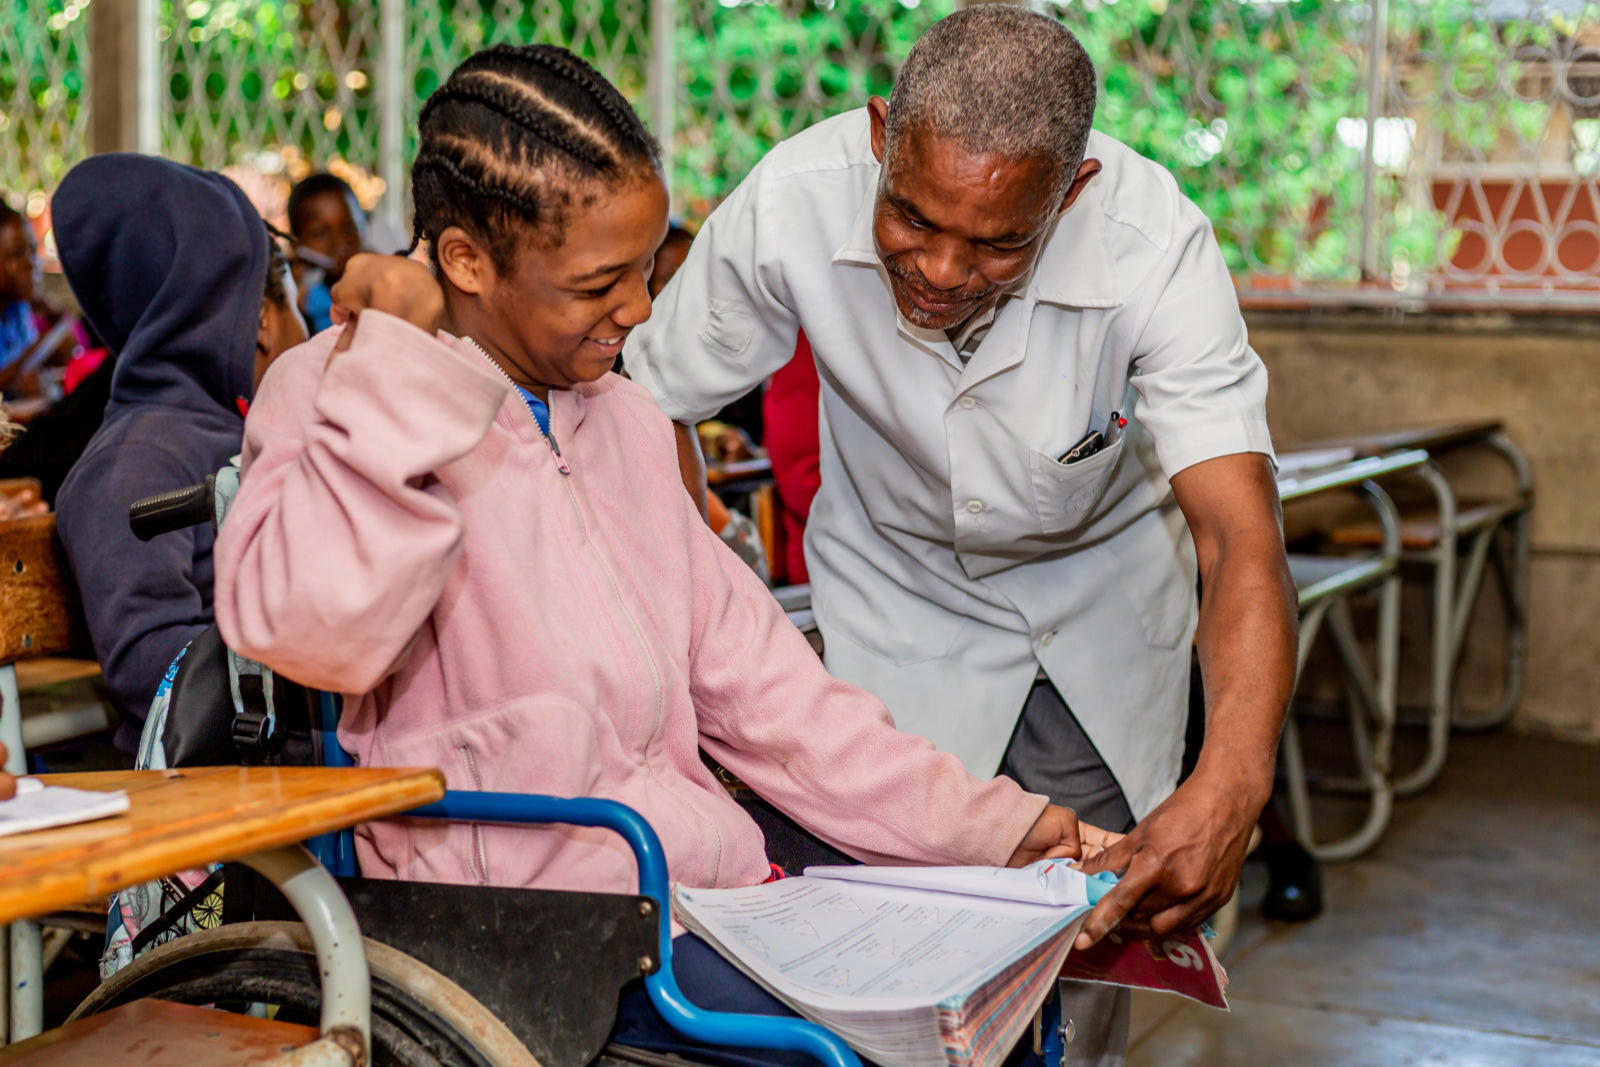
x=968, y=403
x=974, y=506
x=1050, y=635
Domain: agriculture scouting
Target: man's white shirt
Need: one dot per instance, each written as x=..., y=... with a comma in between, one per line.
x=951, y=554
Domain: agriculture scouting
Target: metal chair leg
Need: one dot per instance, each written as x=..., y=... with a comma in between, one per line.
x=1442, y=658
x=1294, y=766
x=1511, y=574
x=22, y=1014
x=1374, y=697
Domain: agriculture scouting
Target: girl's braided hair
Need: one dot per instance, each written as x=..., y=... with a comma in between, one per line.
x=505, y=141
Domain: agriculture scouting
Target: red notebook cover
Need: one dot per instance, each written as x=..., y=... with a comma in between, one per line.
x=1177, y=963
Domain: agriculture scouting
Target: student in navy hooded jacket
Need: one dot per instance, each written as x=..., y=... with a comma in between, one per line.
x=180, y=276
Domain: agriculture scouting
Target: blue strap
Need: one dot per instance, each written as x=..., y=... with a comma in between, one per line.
x=541, y=413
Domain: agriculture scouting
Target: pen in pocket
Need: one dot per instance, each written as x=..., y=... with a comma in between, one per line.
x=1095, y=441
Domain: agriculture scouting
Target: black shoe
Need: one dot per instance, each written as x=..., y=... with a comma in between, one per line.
x=1294, y=887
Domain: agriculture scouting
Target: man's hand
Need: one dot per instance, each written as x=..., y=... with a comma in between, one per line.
x=1057, y=834
x=1177, y=866
x=394, y=285
x=1182, y=862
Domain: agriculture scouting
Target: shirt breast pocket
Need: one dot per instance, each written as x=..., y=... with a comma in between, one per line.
x=1065, y=493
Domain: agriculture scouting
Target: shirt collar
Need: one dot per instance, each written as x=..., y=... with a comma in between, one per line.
x=1076, y=269
x=858, y=249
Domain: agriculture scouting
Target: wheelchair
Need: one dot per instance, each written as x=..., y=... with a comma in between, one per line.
x=462, y=976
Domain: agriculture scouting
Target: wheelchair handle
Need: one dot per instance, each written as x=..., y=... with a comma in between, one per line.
x=174, y=510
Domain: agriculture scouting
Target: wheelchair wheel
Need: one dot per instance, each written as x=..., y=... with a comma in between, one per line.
x=419, y=1017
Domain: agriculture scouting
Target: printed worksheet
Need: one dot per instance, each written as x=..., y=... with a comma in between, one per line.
x=870, y=945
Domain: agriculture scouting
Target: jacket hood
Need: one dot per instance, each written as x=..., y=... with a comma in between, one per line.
x=169, y=264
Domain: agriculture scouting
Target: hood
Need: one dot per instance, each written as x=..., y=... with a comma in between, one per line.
x=169, y=264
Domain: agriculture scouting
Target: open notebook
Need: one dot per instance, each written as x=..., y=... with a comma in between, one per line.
x=922, y=967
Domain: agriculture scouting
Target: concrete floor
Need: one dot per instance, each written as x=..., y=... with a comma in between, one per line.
x=1470, y=937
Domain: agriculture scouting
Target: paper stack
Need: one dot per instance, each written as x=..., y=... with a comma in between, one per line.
x=914, y=967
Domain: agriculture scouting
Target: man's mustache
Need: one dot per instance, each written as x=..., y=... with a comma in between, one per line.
x=913, y=277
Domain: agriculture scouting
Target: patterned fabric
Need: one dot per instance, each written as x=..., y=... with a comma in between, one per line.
x=151, y=914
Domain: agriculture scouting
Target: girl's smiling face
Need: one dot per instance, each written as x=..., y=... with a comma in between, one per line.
x=560, y=317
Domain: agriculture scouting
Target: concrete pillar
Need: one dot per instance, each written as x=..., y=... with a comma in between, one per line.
x=113, y=58
x=124, y=76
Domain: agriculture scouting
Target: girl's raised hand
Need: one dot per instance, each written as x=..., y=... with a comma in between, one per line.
x=394, y=285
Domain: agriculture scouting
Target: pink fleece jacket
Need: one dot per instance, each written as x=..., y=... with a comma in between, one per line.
x=527, y=623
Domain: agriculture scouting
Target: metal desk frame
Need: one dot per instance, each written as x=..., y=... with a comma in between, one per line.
x=1456, y=584
x=1325, y=597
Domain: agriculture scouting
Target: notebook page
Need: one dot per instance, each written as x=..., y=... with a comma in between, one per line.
x=1049, y=882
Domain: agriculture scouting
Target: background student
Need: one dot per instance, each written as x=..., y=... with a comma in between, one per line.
x=178, y=273
x=328, y=227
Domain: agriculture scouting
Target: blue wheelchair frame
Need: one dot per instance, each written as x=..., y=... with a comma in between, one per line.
x=337, y=853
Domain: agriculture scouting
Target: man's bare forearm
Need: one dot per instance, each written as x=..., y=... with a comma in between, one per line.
x=1246, y=640
x=692, y=465
x=1248, y=619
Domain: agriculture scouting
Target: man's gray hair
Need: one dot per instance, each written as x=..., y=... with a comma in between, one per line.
x=999, y=80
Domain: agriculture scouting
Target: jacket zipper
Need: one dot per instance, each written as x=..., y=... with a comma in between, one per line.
x=655, y=677
x=655, y=671
x=480, y=864
x=550, y=434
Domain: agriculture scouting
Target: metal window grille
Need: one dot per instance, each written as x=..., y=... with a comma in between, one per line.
x=44, y=114
x=1459, y=161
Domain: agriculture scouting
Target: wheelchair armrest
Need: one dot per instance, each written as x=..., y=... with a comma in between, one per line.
x=711, y=1027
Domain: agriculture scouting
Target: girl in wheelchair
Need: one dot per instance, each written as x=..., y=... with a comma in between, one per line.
x=457, y=516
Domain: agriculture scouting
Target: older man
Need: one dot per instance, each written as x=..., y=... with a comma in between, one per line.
x=1039, y=414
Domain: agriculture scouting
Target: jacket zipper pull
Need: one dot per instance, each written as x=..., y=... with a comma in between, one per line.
x=561, y=462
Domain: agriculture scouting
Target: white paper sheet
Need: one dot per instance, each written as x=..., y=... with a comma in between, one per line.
x=40, y=807
x=1044, y=882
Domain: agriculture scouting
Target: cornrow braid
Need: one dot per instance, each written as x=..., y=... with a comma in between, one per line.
x=499, y=97
x=510, y=139
x=623, y=119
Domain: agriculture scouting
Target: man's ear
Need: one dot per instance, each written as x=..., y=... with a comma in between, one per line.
x=1086, y=172
x=878, y=113
x=466, y=265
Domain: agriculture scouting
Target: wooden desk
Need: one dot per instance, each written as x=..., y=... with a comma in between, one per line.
x=34, y=674
x=1437, y=436
x=191, y=817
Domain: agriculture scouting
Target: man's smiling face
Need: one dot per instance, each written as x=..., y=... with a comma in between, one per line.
x=954, y=228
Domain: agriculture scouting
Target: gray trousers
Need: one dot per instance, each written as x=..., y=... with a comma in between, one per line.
x=1050, y=754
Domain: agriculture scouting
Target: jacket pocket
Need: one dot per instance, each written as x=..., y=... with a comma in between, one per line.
x=1064, y=494
x=480, y=861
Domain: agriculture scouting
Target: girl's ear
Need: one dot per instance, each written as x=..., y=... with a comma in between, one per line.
x=465, y=265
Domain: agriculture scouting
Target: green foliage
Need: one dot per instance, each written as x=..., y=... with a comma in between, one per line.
x=1257, y=108
x=43, y=44
x=756, y=73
